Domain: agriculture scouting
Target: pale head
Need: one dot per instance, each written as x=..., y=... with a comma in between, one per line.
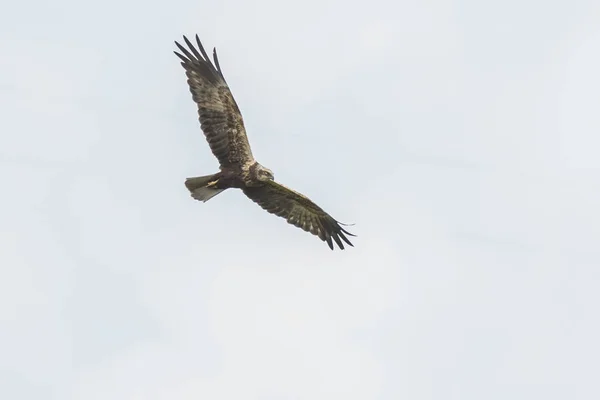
x=265, y=174
x=258, y=173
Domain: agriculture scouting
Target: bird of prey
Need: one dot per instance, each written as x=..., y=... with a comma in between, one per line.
x=223, y=127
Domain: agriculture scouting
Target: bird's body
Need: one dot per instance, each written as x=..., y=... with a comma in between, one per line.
x=223, y=126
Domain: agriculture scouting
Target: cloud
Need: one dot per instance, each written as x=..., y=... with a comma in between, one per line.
x=459, y=139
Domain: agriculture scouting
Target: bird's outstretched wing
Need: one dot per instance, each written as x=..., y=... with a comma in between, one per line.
x=219, y=115
x=298, y=210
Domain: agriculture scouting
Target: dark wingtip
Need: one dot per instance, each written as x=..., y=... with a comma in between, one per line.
x=215, y=58
x=336, y=237
x=347, y=233
x=335, y=231
x=193, y=49
x=185, y=60
x=340, y=224
x=329, y=242
x=345, y=239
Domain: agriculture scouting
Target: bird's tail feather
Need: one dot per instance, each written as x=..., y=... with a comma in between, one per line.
x=200, y=188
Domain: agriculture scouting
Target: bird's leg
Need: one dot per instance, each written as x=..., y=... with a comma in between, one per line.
x=212, y=184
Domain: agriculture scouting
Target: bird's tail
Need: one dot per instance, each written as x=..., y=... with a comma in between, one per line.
x=202, y=187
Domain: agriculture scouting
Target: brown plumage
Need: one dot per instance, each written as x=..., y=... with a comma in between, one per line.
x=223, y=125
x=219, y=115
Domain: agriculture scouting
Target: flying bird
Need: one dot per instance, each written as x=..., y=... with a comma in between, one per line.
x=223, y=126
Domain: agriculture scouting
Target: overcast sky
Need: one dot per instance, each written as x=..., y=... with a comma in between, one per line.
x=461, y=137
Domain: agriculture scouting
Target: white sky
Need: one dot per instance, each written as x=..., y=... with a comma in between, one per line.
x=461, y=137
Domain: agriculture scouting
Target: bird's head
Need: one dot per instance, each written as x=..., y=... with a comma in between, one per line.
x=265, y=174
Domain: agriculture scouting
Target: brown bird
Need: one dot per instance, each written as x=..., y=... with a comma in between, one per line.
x=223, y=126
